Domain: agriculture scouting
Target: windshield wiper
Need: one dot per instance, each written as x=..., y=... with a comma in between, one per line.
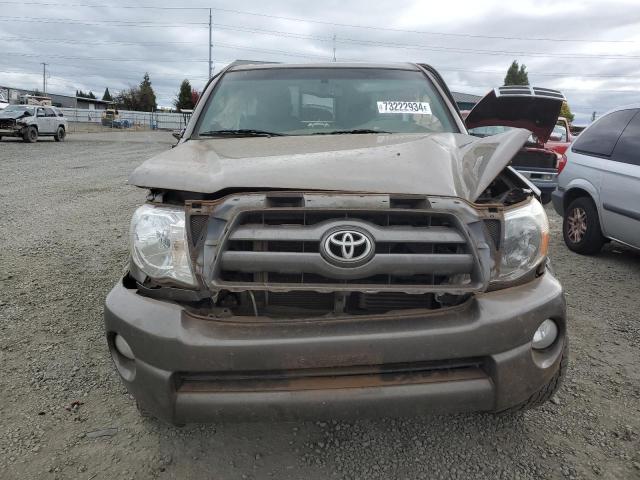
x=350, y=132
x=241, y=132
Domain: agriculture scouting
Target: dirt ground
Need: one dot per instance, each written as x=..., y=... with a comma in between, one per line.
x=64, y=414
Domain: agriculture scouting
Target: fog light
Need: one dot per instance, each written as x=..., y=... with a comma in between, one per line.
x=123, y=347
x=545, y=335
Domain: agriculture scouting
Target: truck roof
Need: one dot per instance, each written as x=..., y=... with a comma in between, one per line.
x=261, y=66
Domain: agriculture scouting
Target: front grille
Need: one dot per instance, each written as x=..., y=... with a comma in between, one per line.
x=282, y=249
x=7, y=123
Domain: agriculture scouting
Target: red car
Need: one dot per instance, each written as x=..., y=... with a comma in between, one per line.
x=560, y=138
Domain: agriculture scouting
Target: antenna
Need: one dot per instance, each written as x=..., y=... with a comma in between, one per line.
x=44, y=77
x=334, y=47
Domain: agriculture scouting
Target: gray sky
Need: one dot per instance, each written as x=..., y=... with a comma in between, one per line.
x=590, y=50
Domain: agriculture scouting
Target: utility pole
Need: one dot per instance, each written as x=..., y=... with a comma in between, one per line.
x=210, y=45
x=44, y=77
x=334, y=47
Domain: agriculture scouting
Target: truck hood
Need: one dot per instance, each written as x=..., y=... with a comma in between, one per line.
x=4, y=115
x=533, y=108
x=447, y=164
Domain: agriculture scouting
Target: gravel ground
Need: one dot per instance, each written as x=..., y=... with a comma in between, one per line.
x=64, y=413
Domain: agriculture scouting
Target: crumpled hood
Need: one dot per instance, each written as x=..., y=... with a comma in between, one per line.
x=12, y=115
x=445, y=164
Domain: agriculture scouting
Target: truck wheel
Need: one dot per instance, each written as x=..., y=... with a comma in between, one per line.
x=581, y=227
x=546, y=392
x=30, y=135
x=60, y=134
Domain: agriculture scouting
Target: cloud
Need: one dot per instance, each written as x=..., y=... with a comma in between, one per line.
x=93, y=48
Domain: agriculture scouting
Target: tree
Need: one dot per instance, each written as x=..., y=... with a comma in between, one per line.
x=146, y=95
x=81, y=94
x=517, y=74
x=184, y=99
x=128, y=99
x=141, y=98
x=107, y=96
x=195, y=96
x=565, y=112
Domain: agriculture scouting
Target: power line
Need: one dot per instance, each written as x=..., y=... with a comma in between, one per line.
x=103, y=42
x=116, y=59
x=343, y=40
x=323, y=22
x=80, y=5
x=352, y=41
x=117, y=23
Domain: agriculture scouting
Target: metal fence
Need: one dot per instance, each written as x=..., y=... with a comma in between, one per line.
x=151, y=120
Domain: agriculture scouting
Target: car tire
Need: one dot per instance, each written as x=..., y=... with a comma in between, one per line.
x=545, y=394
x=581, y=227
x=60, y=134
x=30, y=135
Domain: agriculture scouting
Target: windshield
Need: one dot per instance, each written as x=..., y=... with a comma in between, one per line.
x=308, y=101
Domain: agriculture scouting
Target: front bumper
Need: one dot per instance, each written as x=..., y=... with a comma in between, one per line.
x=474, y=357
x=546, y=180
x=11, y=132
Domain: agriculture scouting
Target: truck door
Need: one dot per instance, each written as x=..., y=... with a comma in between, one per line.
x=52, y=119
x=42, y=121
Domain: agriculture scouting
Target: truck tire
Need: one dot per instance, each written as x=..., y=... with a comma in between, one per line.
x=60, y=134
x=30, y=135
x=581, y=227
x=546, y=392
x=545, y=198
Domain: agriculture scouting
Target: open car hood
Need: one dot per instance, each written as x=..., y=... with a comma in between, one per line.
x=446, y=164
x=533, y=108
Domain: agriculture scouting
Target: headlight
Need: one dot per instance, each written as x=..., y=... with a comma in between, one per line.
x=159, y=244
x=525, y=242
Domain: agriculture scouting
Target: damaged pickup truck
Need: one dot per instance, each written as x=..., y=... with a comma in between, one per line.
x=328, y=241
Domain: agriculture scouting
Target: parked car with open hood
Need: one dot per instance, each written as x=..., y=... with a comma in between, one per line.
x=31, y=121
x=327, y=240
x=599, y=187
x=533, y=108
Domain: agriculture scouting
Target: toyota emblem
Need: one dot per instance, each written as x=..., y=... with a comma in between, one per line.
x=347, y=247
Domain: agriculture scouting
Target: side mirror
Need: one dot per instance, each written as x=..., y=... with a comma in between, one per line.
x=177, y=134
x=555, y=137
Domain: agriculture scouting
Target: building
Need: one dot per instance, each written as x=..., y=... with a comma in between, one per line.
x=12, y=95
x=466, y=101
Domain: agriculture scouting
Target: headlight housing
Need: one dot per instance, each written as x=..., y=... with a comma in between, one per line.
x=159, y=245
x=525, y=241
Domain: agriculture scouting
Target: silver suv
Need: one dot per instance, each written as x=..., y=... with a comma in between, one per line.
x=32, y=121
x=599, y=188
